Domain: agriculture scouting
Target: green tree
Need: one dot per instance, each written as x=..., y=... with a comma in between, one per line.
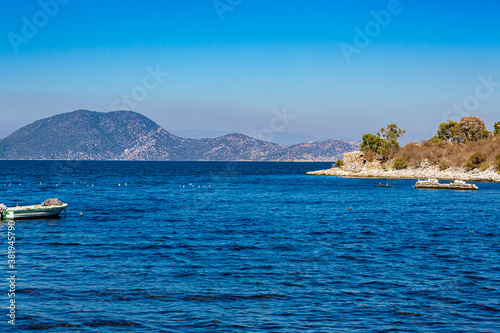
x=374, y=143
x=391, y=135
x=448, y=131
x=497, y=128
x=472, y=129
x=386, y=144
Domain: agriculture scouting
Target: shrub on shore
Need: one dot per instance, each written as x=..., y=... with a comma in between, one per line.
x=400, y=164
x=476, y=160
x=339, y=163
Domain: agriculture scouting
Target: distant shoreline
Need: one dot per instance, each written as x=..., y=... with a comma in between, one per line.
x=489, y=175
x=237, y=161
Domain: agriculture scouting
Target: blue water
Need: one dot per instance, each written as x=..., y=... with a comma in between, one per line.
x=247, y=247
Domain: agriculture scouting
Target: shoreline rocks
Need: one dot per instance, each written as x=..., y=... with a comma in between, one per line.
x=355, y=166
x=456, y=185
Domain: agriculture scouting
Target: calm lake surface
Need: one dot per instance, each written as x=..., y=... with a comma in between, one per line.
x=247, y=247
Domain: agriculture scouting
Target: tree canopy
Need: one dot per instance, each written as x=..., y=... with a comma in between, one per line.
x=391, y=135
x=470, y=128
x=374, y=143
x=447, y=131
x=386, y=144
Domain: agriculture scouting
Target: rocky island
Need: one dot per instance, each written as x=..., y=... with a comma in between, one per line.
x=355, y=165
x=463, y=150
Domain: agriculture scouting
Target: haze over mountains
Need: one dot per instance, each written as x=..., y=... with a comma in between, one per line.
x=282, y=138
x=127, y=135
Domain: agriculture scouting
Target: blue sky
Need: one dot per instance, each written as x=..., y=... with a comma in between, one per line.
x=234, y=65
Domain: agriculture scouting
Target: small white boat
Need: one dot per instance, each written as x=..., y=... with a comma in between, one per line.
x=48, y=208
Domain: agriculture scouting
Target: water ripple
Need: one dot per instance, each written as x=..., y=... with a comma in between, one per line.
x=220, y=247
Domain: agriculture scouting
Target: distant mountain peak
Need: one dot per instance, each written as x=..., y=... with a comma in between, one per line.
x=128, y=135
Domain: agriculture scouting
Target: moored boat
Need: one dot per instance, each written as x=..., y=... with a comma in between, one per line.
x=435, y=184
x=48, y=208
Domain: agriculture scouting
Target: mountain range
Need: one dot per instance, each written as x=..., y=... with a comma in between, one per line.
x=128, y=135
x=282, y=137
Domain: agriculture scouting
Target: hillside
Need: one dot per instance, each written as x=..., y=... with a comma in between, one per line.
x=325, y=151
x=230, y=147
x=446, y=155
x=90, y=135
x=127, y=135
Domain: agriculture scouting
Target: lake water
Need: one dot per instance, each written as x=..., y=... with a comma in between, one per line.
x=247, y=247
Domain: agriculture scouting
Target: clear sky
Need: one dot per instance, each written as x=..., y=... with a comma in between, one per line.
x=322, y=68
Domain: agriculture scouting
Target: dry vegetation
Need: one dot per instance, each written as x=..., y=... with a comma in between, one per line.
x=446, y=154
x=465, y=144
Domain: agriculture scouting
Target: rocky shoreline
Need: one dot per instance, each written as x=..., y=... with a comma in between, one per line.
x=355, y=166
x=455, y=174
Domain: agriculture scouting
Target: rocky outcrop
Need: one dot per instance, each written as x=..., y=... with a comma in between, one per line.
x=355, y=165
x=436, y=185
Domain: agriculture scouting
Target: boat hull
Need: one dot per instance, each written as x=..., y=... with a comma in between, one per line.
x=32, y=212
